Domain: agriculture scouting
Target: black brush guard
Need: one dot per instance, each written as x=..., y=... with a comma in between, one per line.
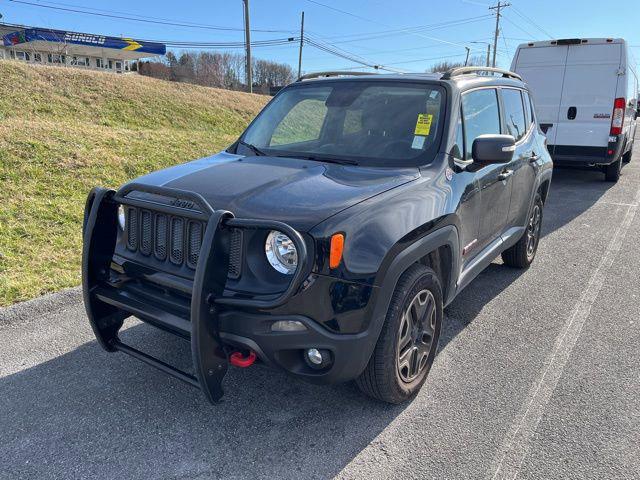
x=107, y=310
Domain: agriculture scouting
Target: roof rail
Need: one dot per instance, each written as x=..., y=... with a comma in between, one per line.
x=454, y=72
x=335, y=73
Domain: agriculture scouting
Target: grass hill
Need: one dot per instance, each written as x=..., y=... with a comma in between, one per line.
x=63, y=131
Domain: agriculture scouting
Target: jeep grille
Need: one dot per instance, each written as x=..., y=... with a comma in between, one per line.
x=174, y=239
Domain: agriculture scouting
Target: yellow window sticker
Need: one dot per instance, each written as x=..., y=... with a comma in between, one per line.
x=423, y=125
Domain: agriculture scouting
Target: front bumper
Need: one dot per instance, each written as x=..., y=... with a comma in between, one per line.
x=213, y=321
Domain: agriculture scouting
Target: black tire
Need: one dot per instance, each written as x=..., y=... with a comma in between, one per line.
x=612, y=171
x=626, y=158
x=396, y=372
x=522, y=254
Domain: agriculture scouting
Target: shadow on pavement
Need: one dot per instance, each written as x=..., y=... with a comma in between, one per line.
x=88, y=413
x=573, y=191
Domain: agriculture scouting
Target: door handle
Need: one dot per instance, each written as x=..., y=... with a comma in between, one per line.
x=534, y=158
x=571, y=113
x=504, y=175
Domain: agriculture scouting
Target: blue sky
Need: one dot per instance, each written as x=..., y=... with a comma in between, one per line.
x=358, y=27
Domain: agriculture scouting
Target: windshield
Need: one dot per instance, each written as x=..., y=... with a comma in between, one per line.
x=373, y=123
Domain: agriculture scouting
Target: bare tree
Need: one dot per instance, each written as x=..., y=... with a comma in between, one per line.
x=443, y=66
x=215, y=69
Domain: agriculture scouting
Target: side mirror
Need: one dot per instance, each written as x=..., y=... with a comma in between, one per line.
x=488, y=149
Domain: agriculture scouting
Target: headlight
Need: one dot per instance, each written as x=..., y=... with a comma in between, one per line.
x=281, y=252
x=121, y=216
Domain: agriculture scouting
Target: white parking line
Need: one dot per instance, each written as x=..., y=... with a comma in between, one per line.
x=517, y=441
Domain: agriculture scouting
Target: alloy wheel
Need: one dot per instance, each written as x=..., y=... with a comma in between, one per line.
x=533, y=230
x=415, y=339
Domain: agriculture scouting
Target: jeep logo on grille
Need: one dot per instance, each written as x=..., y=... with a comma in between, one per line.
x=177, y=202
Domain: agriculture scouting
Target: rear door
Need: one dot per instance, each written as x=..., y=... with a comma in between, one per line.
x=589, y=90
x=518, y=123
x=542, y=68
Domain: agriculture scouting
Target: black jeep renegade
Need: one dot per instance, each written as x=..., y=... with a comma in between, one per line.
x=328, y=238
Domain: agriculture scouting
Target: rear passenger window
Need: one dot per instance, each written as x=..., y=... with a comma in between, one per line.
x=514, y=113
x=481, y=116
x=528, y=105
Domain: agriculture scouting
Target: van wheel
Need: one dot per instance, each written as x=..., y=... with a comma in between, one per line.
x=409, y=339
x=612, y=171
x=626, y=158
x=521, y=255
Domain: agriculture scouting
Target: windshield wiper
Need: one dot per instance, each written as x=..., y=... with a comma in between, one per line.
x=339, y=161
x=253, y=148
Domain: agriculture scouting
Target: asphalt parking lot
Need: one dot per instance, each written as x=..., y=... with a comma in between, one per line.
x=537, y=377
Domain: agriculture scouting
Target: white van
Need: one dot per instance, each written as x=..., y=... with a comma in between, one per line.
x=586, y=96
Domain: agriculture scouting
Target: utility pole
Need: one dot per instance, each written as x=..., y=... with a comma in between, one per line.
x=247, y=41
x=301, y=43
x=488, y=54
x=497, y=8
x=466, y=60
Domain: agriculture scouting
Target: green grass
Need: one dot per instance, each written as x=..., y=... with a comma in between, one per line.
x=63, y=131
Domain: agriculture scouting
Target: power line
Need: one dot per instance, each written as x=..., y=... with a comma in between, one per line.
x=344, y=12
x=142, y=19
x=526, y=18
x=531, y=36
x=416, y=60
x=504, y=40
x=407, y=30
x=241, y=44
x=415, y=31
x=379, y=34
x=346, y=55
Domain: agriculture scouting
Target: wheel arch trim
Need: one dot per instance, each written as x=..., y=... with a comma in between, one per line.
x=446, y=236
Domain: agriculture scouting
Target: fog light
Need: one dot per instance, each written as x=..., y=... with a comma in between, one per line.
x=287, y=326
x=314, y=356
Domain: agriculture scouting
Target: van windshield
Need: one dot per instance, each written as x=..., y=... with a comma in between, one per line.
x=373, y=123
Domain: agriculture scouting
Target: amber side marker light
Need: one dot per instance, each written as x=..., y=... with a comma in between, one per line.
x=335, y=252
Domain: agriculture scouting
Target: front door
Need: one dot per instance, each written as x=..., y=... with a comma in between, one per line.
x=481, y=115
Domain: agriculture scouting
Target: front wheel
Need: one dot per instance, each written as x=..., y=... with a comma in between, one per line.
x=521, y=255
x=409, y=339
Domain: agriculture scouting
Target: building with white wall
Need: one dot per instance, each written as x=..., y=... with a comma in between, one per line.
x=73, y=49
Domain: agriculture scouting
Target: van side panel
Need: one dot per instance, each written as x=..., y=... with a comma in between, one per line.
x=542, y=68
x=593, y=78
x=631, y=95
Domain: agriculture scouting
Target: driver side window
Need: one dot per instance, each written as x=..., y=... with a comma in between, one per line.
x=302, y=123
x=481, y=115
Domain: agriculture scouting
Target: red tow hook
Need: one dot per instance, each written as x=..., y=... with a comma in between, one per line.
x=238, y=360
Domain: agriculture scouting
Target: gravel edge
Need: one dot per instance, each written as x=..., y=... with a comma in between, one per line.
x=38, y=307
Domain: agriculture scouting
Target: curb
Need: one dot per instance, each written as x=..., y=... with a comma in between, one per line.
x=38, y=307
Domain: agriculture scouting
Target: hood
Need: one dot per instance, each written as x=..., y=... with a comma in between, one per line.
x=301, y=193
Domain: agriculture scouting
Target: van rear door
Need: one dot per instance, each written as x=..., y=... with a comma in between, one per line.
x=588, y=93
x=542, y=67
